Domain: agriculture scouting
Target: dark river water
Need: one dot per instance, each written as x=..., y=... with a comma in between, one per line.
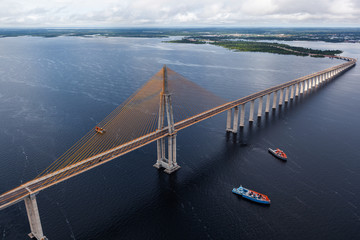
x=53, y=91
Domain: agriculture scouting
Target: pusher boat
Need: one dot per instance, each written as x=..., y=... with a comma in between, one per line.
x=278, y=153
x=100, y=130
x=251, y=195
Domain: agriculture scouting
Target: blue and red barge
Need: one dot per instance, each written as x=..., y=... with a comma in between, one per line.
x=251, y=195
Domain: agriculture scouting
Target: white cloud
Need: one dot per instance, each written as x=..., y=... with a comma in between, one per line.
x=117, y=13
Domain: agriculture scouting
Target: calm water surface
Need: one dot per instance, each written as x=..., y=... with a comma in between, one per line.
x=52, y=91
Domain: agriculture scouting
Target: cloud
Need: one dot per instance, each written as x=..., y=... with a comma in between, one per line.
x=116, y=13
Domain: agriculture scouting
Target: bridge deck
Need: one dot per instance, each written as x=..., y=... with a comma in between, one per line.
x=13, y=196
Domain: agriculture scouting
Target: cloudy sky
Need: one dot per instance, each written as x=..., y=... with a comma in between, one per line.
x=167, y=13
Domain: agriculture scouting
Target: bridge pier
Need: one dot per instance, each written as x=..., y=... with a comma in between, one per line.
x=228, y=120
x=236, y=119
x=305, y=85
x=251, y=115
x=292, y=92
x=301, y=87
x=274, y=100
x=242, y=115
x=267, y=107
x=260, y=107
x=281, y=97
x=34, y=218
x=297, y=90
x=287, y=94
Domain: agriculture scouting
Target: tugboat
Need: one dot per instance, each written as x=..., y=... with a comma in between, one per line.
x=251, y=195
x=278, y=153
x=100, y=130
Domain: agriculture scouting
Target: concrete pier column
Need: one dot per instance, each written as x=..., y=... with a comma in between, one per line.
x=170, y=164
x=260, y=106
x=317, y=81
x=267, y=106
x=251, y=115
x=297, y=90
x=292, y=92
x=170, y=153
x=174, y=151
x=236, y=119
x=242, y=115
x=160, y=152
x=281, y=97
x=306, y=85
x=313, y=82
x=310, y=83
x=34, y=218
x=287, y=94
x=301, y=87
x=274, y=100
x=228, y=121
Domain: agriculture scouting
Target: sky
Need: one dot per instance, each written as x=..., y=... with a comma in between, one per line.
x=179, y=13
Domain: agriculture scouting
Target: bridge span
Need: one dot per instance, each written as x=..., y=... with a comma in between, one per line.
x=281, y=93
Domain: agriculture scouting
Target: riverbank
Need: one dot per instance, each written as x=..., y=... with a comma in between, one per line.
x=255, y=46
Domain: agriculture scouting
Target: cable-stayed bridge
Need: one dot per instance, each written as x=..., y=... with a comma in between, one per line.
x=166, y=104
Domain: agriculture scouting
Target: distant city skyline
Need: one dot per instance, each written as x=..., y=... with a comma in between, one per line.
x=185, y=13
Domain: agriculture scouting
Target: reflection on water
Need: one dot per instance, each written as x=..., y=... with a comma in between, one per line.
x=52, y=91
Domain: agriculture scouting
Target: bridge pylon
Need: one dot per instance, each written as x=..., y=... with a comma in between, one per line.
x=168, y=163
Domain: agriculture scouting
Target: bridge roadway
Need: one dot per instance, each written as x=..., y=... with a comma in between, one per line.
x=32, y=187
